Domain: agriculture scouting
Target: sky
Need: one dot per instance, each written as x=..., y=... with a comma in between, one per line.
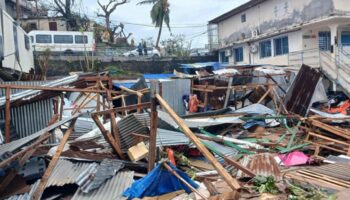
x=188, y=17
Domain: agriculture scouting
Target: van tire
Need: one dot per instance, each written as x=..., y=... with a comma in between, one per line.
x=68, y=53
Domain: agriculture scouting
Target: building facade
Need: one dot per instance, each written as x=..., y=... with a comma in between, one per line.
x=276, y=31
x=44, y=23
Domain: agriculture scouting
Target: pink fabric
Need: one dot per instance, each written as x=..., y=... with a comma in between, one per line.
x=294, y=158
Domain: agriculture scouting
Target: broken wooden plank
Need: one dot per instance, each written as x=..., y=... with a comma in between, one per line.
x=183, y=181
x=233, y=183
x=41, y=187
x=108, y=136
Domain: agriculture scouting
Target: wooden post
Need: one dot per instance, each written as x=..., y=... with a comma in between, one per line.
x=153, y=135
x=41, y=187
x=233, y=183
x=184, y=181
x=139, y=101
x=228, y=92
x=108, y=136
x=61, y=106
x=8, y=116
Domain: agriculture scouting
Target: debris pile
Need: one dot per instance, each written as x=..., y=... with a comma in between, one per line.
x=255, y=132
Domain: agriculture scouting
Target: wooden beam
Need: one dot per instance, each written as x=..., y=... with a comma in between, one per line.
x=41, y=187
x=153, y=135
x=108, y=136
x=184, y=181
x=122, y=109
x=58, y=89
x=228, y=92
x=8, y=116
x=264, y=96
x=233, y=183
x=131, y=91
x=335, y=130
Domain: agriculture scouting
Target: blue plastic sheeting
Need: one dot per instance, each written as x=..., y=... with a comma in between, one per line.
x=127, y=85
x=158, y=76
x=251, y=123
x=158, y=182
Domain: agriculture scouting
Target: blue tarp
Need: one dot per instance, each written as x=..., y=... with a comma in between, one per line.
x=158, y=76
x=158, y=182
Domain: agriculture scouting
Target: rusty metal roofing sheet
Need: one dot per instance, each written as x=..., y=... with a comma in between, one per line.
x=28, y=195
x=261, y=164
x=299, y=95
x=67, y=172
x=110, y=190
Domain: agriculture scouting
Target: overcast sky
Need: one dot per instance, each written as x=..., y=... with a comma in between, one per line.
x=182, y=13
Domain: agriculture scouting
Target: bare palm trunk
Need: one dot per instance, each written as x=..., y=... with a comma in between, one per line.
x=159, y=34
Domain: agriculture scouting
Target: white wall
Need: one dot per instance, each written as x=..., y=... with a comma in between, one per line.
x=271, y=16
x=25, y=56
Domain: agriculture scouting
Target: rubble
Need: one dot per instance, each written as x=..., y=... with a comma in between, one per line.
x=254, y=134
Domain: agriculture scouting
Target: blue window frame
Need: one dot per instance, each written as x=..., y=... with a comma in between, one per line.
x=223, y=57
x=265, y=49
x=238, y=54
x=281, y=46
x=324, y=40
x=345, y=38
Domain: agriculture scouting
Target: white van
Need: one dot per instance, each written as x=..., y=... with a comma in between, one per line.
x=63, y=42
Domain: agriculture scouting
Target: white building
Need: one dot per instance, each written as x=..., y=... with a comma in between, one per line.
x=286, y=32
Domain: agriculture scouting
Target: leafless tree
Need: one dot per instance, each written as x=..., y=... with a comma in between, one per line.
x=107, y=10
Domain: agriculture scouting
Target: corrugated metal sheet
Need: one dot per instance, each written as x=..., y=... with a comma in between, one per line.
x=299, y=95
x=14, y=145
x=110, y=190
x=171, y=138
x=199, y=122
x=179, y=87
x=26, y=196
x=127, y=126
x=22, y=83
x=67, y=172
x=341, y=171
x=261, y=164
x=30, y=118
x=104, y=171
x=29, y=93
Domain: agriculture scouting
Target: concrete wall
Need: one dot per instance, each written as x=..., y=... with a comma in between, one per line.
x=271, y=16
x=43, y=24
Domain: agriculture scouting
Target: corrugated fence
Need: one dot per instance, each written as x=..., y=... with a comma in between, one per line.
x=30, y=118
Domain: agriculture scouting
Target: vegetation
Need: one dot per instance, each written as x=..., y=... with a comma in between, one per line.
x=264, y=184
x=176, y=45
x=44, y=61
x=107, y=10
x=160, y=13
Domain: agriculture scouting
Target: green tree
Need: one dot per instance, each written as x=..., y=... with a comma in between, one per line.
x=160, y=13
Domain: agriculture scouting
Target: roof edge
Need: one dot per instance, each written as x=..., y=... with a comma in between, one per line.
x=236, y=10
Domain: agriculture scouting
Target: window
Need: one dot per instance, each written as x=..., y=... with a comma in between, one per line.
x=81, y=39
x=243, y=18
x=223, y=57
x=265, y=49
x=43, y=39
x=345, y=38
x=32, y=39
x=63, y=39
x=281, y=46
x=32, y=26
x=324, y=40
x=26, y=42
x=238, y=54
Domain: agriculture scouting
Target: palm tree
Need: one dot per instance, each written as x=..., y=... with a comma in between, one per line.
x=159, y=14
